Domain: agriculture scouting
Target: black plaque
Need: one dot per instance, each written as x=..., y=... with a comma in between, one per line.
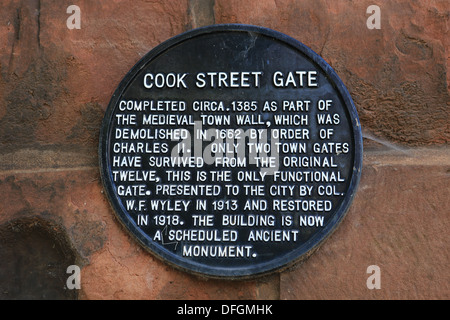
x=231, y=151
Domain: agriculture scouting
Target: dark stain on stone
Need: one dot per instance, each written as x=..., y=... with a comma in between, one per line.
x=88, y=236
x=417, y=48
x=34, y=255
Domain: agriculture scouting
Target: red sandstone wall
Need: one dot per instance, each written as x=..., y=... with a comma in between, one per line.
x=55, y=84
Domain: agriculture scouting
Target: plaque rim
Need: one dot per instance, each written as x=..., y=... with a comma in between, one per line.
x=228, y=273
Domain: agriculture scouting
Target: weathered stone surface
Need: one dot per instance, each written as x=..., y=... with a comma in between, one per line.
x=114, y=265
x=124, y=271
x=398, y=221
x=55, y=83
x=201, y=13
x=72, y=199
x=397, y=75
x=57, y=219
x=35, y=255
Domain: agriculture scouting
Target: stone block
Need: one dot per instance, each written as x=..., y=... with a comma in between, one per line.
x=397, y=75
x=56, y=82
x=113, y=265
x=398, y=221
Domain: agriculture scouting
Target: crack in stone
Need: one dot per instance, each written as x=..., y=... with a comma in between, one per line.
x=39, y=23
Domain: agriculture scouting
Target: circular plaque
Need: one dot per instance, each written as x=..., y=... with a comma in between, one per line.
x=231, y=151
